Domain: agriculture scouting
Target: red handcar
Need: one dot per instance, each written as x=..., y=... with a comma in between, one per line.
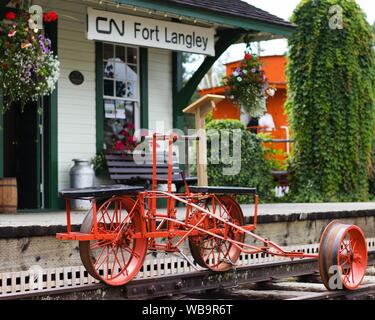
x=124, y=223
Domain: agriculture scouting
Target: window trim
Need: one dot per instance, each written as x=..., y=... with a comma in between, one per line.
x=131, y=64
x=141, y=104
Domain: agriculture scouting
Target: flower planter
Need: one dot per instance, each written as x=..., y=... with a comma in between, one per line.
x=28, y=67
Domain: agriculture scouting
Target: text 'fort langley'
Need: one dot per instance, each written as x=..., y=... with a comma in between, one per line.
x=189, y=40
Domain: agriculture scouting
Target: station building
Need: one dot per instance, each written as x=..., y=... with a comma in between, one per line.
x=120, y=63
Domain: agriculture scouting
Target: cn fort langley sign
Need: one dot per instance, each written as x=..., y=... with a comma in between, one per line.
x=114, y=27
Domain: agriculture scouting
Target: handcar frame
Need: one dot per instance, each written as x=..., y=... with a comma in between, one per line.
x=125, y=223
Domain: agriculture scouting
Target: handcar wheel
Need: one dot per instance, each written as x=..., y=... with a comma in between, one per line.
x=117, y=261
x=209, y=251
x=342, y=256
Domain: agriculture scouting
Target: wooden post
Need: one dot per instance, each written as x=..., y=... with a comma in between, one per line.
x=200, y=109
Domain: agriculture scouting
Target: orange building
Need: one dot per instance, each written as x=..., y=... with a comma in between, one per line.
x=274, y=67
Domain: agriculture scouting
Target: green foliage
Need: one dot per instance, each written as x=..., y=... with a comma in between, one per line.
x=272, y=154
x=99, y=163
x=209, y=117
x=330, y=102
x=254, y=169
x=372, y=174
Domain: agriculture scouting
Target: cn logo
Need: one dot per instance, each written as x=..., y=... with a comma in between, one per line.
x=104, y=26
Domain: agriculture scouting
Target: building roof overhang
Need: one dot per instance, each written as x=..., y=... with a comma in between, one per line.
x=261, y=24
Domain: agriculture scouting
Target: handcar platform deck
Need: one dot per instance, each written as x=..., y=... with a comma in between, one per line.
x=100, y=191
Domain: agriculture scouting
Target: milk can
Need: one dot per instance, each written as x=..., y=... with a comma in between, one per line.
x=81, y=176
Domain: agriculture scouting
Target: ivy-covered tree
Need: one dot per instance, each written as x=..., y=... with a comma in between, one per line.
x=331, y=101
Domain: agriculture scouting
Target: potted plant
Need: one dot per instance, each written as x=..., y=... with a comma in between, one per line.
x=122, y=140
x=99, y=164
x=28, y=67
x=248, y=86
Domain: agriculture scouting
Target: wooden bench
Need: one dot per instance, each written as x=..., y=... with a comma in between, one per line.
x=123, y=169
x=224, y=190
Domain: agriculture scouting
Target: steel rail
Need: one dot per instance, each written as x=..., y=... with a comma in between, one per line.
x=348, y=294
x=199, y=281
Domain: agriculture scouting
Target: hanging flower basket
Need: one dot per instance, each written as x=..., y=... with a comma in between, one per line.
x=28, y=67
x=248, y=86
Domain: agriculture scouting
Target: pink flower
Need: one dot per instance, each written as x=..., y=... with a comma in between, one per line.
x=120, y=146
x=124, y=133
x=12, y=33
x=144, y=133
x=130, y=125
x=131, y=139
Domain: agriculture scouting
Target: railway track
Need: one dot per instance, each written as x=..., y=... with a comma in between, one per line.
x=300, y=288
x=289, y=280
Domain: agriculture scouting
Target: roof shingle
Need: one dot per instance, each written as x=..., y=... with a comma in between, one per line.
x=236, y=8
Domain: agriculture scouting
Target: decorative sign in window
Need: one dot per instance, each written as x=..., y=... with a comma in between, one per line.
x=121, y=95
x=120, y=28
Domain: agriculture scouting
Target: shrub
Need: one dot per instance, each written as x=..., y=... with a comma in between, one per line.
x=254, y=169
x=330, y=102
x=372, y=175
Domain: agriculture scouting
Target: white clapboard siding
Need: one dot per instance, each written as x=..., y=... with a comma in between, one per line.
x=77, y=104
x=160, y=89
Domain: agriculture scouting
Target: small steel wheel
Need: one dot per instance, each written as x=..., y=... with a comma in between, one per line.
x=342, y=256
x=207, y=250
x=117, y=261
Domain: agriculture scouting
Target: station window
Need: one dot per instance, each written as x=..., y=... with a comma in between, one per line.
x=121, y=94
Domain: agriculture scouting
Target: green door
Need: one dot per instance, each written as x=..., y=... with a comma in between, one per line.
x=22, y=157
